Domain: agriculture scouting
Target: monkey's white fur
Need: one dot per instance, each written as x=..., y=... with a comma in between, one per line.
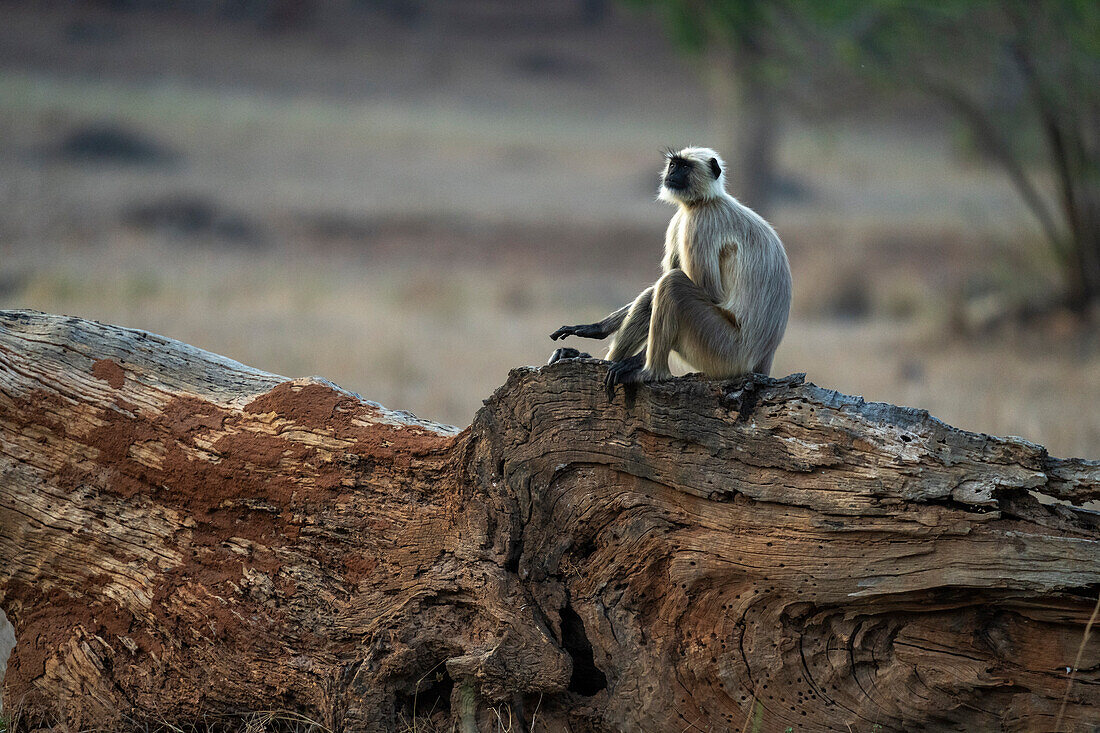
x=725, y=295
x=732, y=253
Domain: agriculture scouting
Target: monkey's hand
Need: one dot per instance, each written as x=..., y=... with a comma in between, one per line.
x=588, y=331
x=566, y=352
x=630, y=370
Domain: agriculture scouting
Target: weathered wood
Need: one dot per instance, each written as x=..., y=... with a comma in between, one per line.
x=183, y=538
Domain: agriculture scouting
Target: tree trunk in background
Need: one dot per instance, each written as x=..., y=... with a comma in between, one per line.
x=747, y=120
x=1084, y=269
x=758, y=148
x=185, y=540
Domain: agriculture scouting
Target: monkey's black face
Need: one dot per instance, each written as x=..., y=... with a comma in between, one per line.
x=678, y=175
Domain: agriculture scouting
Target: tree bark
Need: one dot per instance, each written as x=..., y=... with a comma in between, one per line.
x=188, y=541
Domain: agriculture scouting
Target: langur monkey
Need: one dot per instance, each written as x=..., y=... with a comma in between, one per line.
x=723, y=300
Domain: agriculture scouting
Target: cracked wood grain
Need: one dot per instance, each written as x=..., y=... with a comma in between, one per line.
x=183, y=536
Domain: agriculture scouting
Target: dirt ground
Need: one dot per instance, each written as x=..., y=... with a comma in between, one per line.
x=409, y=207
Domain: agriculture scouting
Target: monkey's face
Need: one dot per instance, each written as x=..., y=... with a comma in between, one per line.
x=678, y=174
x=691, y=175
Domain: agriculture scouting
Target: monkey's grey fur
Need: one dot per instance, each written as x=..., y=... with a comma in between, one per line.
x=723, y=300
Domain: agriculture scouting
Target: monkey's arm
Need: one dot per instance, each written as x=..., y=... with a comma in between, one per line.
x=599, y=330
x=671, y=260
x=630, y=324
x=707, y=272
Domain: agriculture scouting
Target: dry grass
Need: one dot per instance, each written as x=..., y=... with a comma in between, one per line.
x=265, y=721
x=1076, y=664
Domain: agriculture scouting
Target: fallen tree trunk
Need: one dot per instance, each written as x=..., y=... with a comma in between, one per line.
x=188, y=541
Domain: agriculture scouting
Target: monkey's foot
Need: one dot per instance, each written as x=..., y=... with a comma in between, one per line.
x=630, y=370
x=588, y=331
x=566, y=352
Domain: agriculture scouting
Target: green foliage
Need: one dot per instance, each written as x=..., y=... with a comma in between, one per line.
x=1022, y=75
x=756, y=33
x=694, y=25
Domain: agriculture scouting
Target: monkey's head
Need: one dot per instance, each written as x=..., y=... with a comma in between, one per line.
x=691, y=176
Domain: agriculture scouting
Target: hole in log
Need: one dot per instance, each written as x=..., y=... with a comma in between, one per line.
x=428, y=699
x=585, y=551
x=515, y=552
x=587, y=679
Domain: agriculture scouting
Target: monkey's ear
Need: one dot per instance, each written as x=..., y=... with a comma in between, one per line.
x=715, y=168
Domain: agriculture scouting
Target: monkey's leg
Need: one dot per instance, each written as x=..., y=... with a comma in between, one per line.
x=624, y=352
x=686, y=318
x=599, y=330
x=683, y=314
x=632, y=333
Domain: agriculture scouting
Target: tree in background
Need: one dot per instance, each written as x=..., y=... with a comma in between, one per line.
x=741, y=46
x=1023, y=76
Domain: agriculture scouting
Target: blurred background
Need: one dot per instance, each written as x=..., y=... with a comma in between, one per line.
x=407, y=196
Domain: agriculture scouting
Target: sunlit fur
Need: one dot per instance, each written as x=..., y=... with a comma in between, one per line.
x=725, y=295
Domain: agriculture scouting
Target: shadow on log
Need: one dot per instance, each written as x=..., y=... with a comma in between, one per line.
x=185, y=541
